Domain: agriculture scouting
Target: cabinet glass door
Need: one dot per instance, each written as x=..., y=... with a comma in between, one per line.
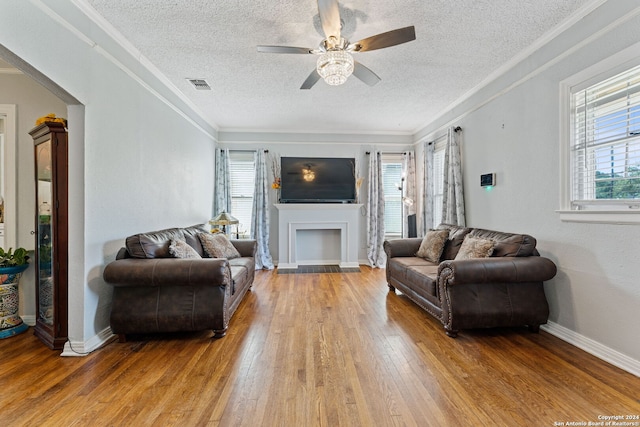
x=45, y=281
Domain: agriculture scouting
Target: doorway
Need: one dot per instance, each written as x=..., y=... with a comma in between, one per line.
x=8, y=176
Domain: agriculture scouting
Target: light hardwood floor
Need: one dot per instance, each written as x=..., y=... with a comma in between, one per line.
x=316, y=350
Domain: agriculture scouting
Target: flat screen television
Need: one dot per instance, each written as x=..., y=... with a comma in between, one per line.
x=317, y=180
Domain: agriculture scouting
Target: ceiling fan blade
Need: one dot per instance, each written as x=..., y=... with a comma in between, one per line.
x=311, y=80
x=365, y=74
x=388, y=39
x=283, y=49
x=330, y=17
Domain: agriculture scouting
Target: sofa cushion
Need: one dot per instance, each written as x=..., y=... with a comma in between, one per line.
x=154, y=244
x=238, y=275
x=398, y=266
x=423, y=278
x=456, y=236
x=241, y=271
x=432, y=245
x=507, y=244
x=181, y=249
x=191, y=237
x=246, y=262
x=218, y=246
x=475, y=247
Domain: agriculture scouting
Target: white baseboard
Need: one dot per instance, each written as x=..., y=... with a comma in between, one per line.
x=83, y=348
x=79, y=348
x=29, y=319
x=595, y=348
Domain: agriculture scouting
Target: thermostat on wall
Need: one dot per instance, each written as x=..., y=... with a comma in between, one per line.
x=488, y=179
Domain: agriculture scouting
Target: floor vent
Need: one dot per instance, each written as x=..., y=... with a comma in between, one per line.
x=305, y=269
x=200, y=84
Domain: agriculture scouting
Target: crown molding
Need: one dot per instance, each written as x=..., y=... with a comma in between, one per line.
x=14, y=71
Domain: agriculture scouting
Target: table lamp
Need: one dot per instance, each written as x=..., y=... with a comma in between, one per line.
x=224, y=219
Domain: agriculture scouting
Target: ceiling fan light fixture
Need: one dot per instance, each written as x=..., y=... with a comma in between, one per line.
x=335, y=66
x=307, y=174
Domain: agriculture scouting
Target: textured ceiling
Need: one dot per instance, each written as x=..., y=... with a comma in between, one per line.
x=459, y=43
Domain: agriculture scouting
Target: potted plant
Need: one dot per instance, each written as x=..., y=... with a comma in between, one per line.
x=12, y=265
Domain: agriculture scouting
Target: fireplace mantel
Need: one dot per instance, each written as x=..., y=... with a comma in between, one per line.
x=318, y=216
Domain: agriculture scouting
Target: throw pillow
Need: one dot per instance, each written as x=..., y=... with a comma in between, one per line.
x=218, y=246
x=474, y=247
x=432, y=245
x=181, y=249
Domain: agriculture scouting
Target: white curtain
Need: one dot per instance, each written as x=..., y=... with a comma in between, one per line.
x=375, y=213
x=453, y=195
x=222, y=196
x=260, y=213
x=409, y=201
x=428, y=189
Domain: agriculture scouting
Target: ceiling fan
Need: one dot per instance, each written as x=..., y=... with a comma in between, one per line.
x=335, y=63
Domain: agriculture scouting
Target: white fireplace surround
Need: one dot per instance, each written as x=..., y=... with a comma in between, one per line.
x=293, y=217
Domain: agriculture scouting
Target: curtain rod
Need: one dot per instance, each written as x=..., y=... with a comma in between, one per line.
x=387, y=152
x=455, y=129
x=437, y=139
x=247, y=151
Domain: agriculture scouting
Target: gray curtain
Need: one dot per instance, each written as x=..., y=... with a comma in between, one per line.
x=375, y=213
x=222, y=188
x=428, y=189
x=260, y=213
x=453, y=195
x=409, y=201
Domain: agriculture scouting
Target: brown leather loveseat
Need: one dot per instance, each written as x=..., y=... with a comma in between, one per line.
x=156, y=292
x=504, y=289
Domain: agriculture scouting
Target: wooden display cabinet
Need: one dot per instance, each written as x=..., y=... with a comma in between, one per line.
x=51, y=258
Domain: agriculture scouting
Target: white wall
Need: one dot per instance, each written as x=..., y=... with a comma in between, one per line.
x=511, y=128
x=140, y=159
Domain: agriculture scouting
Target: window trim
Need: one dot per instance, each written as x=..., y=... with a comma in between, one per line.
x=600, y=71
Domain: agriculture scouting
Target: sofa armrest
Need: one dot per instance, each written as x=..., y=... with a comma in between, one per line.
x=246, y=247
x=138, y=272
x=402, y=247
x=500, y=269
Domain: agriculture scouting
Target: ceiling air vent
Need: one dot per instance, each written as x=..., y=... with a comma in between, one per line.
x=200, y=84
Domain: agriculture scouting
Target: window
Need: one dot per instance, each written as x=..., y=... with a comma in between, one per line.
x=601, y=142
x=605, y=150
x=242, y=175
x=434, y=179
x=438, y=182
x=392, y=187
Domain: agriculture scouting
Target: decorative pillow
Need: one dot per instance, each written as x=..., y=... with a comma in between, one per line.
x=181, y=249
x=218, y=246
x=474, y=247
x=432, y=245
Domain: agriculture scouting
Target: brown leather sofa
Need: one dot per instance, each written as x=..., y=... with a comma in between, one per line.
x=505, y=289
x=155, y=292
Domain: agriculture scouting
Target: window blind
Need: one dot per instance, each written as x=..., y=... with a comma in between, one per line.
x=438, y=183
x=391, y=180
x=605, y=148
x=242, y=176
